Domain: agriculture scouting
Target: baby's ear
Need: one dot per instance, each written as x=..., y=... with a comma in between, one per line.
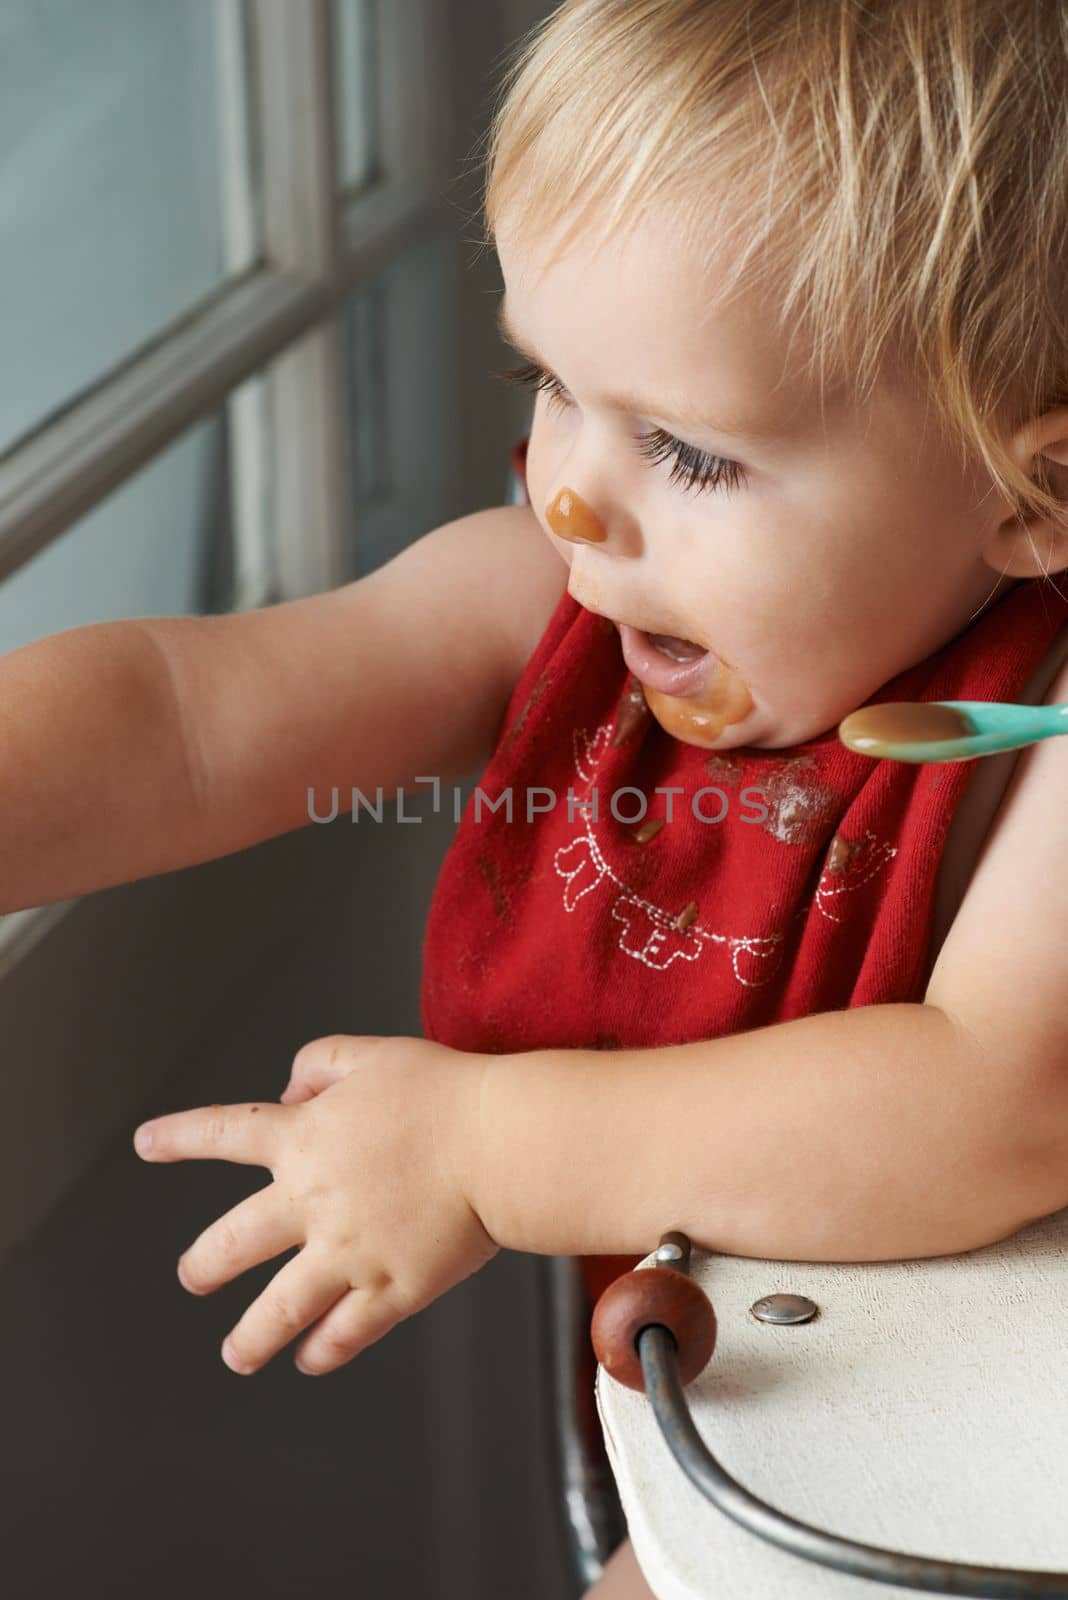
x=1034, y=545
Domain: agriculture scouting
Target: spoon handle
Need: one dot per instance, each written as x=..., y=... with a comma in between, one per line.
x=1025, y=722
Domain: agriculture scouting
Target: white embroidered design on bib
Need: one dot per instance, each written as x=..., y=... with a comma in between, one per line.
x=648, y=933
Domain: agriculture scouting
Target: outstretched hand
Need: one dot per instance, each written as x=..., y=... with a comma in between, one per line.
x=371, y=1150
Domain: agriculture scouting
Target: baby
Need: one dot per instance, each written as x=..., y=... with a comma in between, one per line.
x=790, y=281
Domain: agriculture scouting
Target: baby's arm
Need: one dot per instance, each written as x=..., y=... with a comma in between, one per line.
x=137, y=747
x=883, y=1132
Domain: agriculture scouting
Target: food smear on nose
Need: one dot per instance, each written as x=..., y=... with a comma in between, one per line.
x=699, y=719
x=571, y=518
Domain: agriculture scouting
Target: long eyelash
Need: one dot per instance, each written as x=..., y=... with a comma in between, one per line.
x=693, y=468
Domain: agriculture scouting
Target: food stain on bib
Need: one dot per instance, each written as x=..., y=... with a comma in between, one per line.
x=535, y=695
x=797, y=811
x=571, y=518
x=490, y=873
x=841, y=853
x=723, y=769
x=500, y=885
x=632, y=711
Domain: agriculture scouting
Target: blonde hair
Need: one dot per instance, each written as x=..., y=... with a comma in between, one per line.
x=902, y=165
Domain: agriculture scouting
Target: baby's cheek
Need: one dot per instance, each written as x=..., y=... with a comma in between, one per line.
x=533, y=474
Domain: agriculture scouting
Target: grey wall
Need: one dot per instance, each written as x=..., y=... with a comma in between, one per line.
x=490, y=414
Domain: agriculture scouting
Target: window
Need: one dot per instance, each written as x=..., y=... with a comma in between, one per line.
x=112, y=216
x=220, y=252
x=155, y=547
x=396, y=361
x=356, y=56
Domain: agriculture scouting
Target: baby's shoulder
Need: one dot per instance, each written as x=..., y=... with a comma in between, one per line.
x=1002, y=969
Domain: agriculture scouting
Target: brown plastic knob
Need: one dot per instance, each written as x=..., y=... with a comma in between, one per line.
x=644, y=1296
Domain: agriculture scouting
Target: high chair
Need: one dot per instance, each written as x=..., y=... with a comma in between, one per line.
x=829, y=1427
x=586, y=1497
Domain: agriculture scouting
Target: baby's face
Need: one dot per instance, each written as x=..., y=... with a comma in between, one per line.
x=833, y=552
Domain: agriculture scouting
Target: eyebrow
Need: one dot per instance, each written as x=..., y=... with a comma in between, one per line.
x=679, y=417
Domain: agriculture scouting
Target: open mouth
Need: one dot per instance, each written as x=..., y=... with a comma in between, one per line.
x=666, y=662
x=676, y=649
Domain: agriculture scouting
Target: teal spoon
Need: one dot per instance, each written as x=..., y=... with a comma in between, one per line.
x=947, y=730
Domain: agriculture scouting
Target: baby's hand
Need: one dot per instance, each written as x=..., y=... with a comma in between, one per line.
x=371, y=1156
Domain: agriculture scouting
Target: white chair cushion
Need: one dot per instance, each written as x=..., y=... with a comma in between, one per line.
x=924, y=1409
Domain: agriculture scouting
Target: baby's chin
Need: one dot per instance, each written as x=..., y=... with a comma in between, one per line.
x=719, y=722
x=733, y=723
x=714, y=708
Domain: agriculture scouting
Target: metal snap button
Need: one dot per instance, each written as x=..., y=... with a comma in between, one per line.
x=784, y=1308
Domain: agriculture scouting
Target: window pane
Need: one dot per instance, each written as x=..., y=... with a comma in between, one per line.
x=365, y=321
x=159, y=546
x=399, y=353
x=111, y=169
x=356, y=60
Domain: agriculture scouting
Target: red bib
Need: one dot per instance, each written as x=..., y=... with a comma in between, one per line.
x=589, y=911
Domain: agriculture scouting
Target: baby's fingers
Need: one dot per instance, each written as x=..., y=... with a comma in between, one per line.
x=299, y=1293
x=319, y=1064
x=356, y=1321
x=260, y=1227
x=247, y=1134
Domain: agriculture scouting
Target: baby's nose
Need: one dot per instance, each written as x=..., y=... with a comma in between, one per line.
x=570, y=517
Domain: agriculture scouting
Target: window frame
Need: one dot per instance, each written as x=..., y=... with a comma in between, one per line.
x=282, y=317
